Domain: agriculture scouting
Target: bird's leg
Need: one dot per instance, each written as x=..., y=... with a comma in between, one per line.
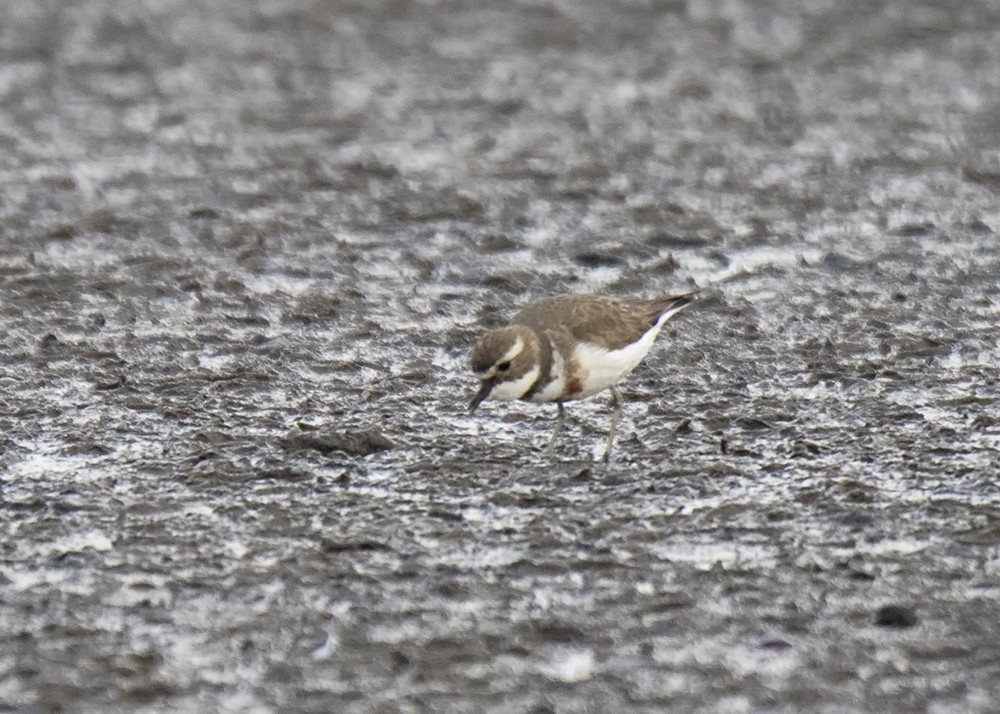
x=616, y=413
x=560, y=420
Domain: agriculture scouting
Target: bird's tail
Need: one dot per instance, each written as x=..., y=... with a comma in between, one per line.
x=662, y=308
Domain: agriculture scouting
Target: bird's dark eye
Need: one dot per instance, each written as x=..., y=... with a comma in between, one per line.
x=503, y=366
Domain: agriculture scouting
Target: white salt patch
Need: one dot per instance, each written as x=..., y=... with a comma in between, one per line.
x=753, y=260
x=892, y=547
x=24, y=580
x=479, y=558
x=41, y=466
x=328, y=648
x=277, y=283
x=570, y=665
x=236, y=549
x=200, y=509
x=711, y=554
x=75, y=542
x=644, y=588
x=217, y=363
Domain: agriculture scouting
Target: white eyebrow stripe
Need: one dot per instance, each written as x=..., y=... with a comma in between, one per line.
x=515, y=349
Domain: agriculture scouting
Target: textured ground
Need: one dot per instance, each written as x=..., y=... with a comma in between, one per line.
x=245, y=248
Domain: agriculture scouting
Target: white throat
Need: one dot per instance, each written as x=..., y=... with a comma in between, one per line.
x=516, y=388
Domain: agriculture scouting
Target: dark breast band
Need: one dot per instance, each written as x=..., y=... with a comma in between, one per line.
x=544, y=366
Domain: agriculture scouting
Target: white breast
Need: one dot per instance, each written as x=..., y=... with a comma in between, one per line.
x=602, y=368
x=555, y=388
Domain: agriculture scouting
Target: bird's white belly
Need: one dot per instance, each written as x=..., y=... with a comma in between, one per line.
x=602, y=368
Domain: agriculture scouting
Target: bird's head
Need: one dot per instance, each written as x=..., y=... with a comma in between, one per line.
x=506, y=361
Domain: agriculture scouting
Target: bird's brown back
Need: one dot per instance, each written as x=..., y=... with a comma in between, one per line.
x=605, y=321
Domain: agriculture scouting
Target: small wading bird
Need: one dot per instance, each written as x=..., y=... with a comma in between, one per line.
x=570, y=347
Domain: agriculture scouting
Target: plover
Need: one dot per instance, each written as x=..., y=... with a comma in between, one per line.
x=568, y=347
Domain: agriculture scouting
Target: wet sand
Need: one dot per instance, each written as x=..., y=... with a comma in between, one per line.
x=246, y=247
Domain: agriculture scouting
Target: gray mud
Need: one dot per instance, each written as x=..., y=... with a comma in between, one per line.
x=245, y=247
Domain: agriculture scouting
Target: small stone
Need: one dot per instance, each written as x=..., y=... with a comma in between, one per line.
x=776, y=644
x=838, y=261
x=581, y=475
x=895, y=616
x=355, y=443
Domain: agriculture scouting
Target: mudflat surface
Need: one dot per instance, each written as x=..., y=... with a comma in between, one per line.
x=245, y=248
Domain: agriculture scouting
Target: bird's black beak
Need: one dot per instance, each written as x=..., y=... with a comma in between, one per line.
x=484, y=391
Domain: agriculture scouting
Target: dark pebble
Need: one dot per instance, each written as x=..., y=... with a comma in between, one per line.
x=282, y=474
x=895, y=616
x=597, y=260
x=751, y=423
x=352, y=546
x=356, y=443
x=775, y=644
x=205, y=212
x=838, y=261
